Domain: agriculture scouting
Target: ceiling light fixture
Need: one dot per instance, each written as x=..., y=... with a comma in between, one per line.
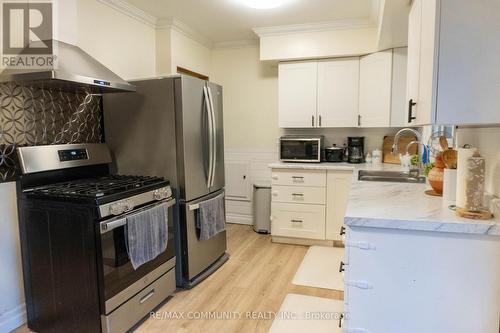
x=263, y=4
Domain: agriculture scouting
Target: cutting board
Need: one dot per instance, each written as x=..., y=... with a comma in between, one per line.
x=388, y=157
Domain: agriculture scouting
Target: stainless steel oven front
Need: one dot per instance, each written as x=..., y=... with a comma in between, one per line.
x=301, y=148
x=119, y=281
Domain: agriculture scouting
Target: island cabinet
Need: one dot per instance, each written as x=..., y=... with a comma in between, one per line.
x=308, y=206
x=453, y=74
x=420, y=281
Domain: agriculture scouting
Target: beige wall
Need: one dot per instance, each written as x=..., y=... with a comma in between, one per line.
x=121, y=43
x=250, y=97
x=188, y=53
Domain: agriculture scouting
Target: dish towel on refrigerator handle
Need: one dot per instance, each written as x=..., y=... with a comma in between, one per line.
x=211, y=217
x=147, y=234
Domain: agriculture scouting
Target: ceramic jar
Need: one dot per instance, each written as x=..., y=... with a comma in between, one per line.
x=436, y=175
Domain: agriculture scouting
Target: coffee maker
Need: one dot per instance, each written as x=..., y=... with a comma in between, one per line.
x=356, y=149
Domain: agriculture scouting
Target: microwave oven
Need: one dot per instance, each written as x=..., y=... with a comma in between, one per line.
x=294, y=148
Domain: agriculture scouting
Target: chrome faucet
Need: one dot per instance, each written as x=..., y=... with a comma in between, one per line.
x=418, y=142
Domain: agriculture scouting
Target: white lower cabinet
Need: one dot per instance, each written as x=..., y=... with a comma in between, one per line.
x=415, y=282
x=309, y=204
x=299, y=221
x=299, y=194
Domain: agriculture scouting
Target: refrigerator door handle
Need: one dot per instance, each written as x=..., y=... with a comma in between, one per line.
x=210, y=136
x=214, y=136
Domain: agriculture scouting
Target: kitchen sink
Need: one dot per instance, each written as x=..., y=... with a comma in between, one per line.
x=391, y=176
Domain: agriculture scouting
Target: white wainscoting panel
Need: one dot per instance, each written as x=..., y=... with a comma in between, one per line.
x=245, y=167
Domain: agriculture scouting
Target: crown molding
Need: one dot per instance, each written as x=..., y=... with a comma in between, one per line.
x=179, y=26
x=314, y=27
x=131, y=11
x=236, y=44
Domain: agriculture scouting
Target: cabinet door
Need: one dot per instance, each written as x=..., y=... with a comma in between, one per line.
x=428, y=60
x=375, y=85
x=297, y=94
x=338, y=92
x=399, y=71
x=337, y=194
x=413, y=74
x=298, y=220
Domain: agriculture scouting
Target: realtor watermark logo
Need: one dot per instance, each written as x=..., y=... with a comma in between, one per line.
x=27, y=33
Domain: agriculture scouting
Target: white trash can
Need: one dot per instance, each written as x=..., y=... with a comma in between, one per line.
x=262, y=208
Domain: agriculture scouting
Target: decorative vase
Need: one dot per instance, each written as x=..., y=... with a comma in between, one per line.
x=436, y=175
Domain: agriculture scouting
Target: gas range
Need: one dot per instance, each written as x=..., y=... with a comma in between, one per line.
x=73, y=217
x=113, y=194
x=99, y=189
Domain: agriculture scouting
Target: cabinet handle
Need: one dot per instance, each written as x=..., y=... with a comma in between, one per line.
x=341, y=268
x=411, y=104
x=342, y=230
x=359, y=120
x=359, y=284
x=312, y=121
x=297, y=179
x=340, y=320
x=296, y=221
x=361, y=245
x=320, y=121
x=297, y=195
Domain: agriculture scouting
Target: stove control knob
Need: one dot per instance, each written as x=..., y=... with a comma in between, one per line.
x=117, y=208
x=128, y=205
x=162, y=193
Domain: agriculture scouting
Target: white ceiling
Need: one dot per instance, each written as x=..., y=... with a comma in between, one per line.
x=229, y=20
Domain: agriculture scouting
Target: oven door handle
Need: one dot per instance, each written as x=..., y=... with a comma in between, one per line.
x=120, y=221
x=108, y=226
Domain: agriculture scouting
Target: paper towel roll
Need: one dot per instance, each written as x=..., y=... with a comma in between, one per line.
x=450, y=186
x=463, y=155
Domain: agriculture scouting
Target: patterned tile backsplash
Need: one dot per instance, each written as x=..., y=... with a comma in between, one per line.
x=31, y=116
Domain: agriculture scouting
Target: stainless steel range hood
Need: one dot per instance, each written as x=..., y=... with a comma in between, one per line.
x=75, y=70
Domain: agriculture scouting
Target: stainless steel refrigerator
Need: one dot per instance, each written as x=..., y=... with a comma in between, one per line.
x=173, y=127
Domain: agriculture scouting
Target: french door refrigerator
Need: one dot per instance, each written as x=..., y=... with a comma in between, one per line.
x=173, y=127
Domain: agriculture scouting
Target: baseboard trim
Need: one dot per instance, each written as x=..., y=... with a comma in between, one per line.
x=239, y=219
x=302, y=241
x=12, y=319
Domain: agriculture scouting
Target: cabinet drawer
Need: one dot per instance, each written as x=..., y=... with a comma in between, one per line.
x=300, y=221
x=299, y=194
x=315, y=178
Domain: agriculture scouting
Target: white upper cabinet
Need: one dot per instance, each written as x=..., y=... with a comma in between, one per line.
x=453, y=72
x=298, y=94
x=346, y=92
x=338, y=90
x=375, y=86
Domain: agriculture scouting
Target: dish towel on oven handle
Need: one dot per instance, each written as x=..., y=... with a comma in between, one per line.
x=211, y=217
x=147, y=234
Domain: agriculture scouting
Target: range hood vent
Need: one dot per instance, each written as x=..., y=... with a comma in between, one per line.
x=75, y=70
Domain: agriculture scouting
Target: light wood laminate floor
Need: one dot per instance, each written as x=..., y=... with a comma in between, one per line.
x=255, y=280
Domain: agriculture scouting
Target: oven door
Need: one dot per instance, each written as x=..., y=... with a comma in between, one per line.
x=119, y=280
x=300, y=150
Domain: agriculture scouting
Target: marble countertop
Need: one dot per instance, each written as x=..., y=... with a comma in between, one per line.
x=398, y=205
x=407, y=207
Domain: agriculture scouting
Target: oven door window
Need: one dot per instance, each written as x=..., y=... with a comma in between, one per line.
x=117, y=269
x=299, y=150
